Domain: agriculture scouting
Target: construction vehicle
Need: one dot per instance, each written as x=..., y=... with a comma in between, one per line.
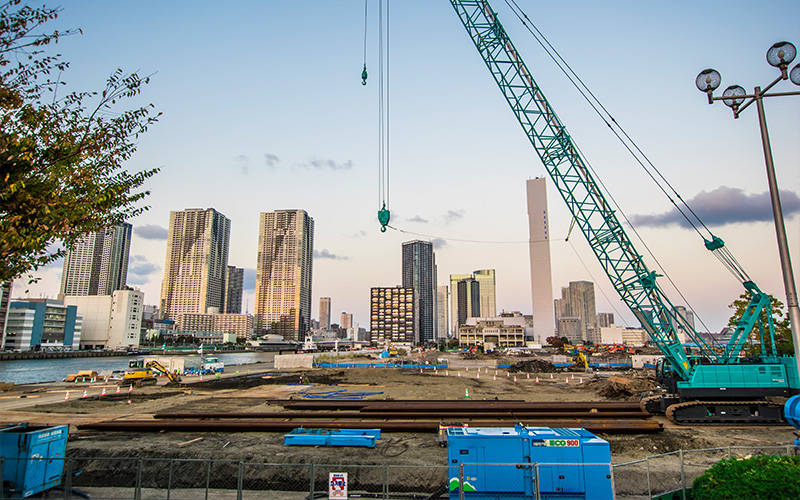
x=141, y=373
x=713, y=386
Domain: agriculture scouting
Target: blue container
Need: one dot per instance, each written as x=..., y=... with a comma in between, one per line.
x=496, y=463
x=33, y=458
x=332, y=437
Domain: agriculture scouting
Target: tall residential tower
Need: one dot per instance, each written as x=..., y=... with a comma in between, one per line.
x=98, y=264
x=283, y=273
x=419, y=273
x=197, y=263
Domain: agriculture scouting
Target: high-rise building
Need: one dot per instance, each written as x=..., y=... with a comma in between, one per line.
x=605, y=320
x=346, y=321
x=234, y=289
x=98, y=263
x=454, y=279
x=283, y=273
x=419, y=273
x=5, y=300
x=442, y=311
x=393, y=315
x=539, y=244
x=197, y=263
x=488, y=295
x=469, y=300
x=324, y=313
x=577, y=301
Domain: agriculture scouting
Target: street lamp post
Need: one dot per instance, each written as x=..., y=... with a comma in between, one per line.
x=780, y=55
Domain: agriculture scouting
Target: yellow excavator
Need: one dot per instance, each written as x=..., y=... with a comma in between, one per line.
x=141, y=373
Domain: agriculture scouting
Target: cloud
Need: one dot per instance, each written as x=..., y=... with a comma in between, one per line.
x=438, y=243
x=244, y=163
x=419, y=219
x=329, y=164
x=325, y=254
x=453, y=216
x=271, y=160
x=151, y=232
x=249, y=284
x=140, y=270
x=359, y=234
x=725, y=205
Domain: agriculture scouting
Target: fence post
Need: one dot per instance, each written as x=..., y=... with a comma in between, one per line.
x=613, y=484
x=649, y=485
x=208, y=477
x=385, y=482
x=311, y=487
x=461, y=481
x=169, y=478
x=137, y=494
x=536, y=481
x=67, y=477
x=683, y=475
x=240, y=482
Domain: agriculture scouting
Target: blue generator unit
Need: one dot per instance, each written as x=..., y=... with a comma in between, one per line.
x=32, y=458
x=507, y=463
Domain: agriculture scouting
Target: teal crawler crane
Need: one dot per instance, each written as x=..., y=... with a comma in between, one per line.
x=711, y=386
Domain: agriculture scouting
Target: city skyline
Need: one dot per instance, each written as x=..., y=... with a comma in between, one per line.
x=281, y=139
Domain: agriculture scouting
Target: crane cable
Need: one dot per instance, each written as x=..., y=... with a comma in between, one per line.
x=364, y=71
x=383, y=116
x=723, y=254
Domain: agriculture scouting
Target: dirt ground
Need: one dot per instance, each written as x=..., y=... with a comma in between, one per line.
x=250, y=394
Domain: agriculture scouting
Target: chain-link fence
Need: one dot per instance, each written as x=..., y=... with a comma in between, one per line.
x=659, y=476
x=671, y=475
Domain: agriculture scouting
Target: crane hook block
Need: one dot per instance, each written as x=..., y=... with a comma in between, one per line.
x=364, y=75
x=383, y=218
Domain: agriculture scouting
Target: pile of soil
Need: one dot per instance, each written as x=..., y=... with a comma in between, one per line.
x=533, y=366
x=622, y=388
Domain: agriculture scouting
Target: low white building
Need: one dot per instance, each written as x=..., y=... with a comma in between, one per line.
x=109, y=321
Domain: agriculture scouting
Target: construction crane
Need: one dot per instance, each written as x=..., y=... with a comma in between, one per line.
x=707, y=387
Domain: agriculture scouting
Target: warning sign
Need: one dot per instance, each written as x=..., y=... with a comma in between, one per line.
x=337, y=485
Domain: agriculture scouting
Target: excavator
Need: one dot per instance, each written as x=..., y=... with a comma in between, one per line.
x=713, y=385
x=142, y=373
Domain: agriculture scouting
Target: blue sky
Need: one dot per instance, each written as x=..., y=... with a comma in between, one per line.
x=263, y=109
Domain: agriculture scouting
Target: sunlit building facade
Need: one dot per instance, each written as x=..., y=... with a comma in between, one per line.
x=98, y=263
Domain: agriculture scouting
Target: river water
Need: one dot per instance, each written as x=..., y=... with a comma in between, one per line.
x=33, y=371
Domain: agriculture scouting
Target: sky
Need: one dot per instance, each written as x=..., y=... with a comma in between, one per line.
x=263, y=109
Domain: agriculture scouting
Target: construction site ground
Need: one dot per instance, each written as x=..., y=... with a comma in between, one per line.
x=255, y=385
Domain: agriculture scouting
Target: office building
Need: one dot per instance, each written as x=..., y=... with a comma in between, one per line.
x=234, y=289
x=346, y=321
x=684, y=322
x=604, y=320
x=491, y=334
x=469, y=300
x=577, y=302
x=454, y=279
x=419, y=273
x=109, y=321
x=196, y=265
x=539, y=246
x=98, y=263
x=442, y=311
x=40, y=324
x=486, y=290
x=393, y=315
x=211, y=325
x=324, y=313
x=283, y=273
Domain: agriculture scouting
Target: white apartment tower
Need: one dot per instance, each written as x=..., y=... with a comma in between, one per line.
x=283, y=273
x=541, y=276
x=442, y=311
x=98, y=263
x=196, y=266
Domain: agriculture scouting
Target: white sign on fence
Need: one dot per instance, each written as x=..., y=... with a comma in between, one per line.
x=337, y=485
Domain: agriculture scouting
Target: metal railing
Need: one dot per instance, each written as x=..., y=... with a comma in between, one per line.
x=193, y=479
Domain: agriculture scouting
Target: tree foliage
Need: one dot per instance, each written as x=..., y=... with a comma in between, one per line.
x=780, y=319
x=554, y=341
x=61, y=157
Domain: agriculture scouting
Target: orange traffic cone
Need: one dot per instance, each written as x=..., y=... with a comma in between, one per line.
x=573, y=376
x=447, y=373
x=66, y=396
x=537, y=380
x=85, y=394
x=494, y=378
x=468, y=368
x=130, y=388
x=528, y=375
x=508, y=374
x=581, y=381
x=117, y=391
x=459, y=374
x=479, y=375
x=566, y=380
x=515, y=378
x=551, y=376
x=104, y=392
